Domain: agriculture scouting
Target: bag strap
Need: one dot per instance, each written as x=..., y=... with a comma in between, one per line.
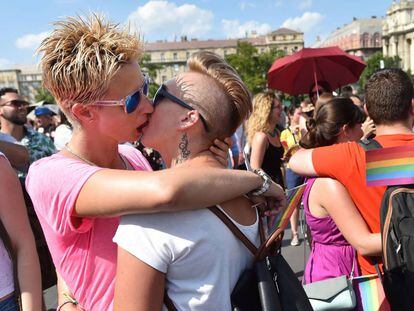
x=233, y=228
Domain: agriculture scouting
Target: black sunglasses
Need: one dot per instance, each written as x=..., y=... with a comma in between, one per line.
x=163, y=93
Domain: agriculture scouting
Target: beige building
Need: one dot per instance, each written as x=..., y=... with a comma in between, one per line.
x=398, y=33
x=173, y=55
x=25, y=78
x=361, y=37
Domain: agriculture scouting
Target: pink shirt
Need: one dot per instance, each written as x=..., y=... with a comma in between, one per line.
x=85, y=256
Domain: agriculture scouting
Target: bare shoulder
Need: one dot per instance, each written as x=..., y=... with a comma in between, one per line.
x=260, y=138
x=240, y=210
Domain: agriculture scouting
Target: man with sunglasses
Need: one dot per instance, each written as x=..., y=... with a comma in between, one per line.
x=13, y=118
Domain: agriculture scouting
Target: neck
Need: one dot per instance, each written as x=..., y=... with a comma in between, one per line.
x=17, y=131
x=186, y=148
x=101, y=152
x=395, y=128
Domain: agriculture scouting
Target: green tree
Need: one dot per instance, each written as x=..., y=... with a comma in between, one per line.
x=373, y=64
x=45, y=95
x=151, y=69
x=252, y=66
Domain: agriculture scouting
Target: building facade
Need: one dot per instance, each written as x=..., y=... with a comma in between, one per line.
x=172, y=55
x=361, y=37
x=27, y=79
x=398, y=33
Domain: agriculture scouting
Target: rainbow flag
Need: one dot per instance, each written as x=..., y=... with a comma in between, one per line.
x=294, y=197
x=370, y=293
x=390, y=166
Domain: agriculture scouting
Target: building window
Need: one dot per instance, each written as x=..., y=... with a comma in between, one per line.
x=262, y=50
x=365, y=40
x=274, y=38
x=176, y=67
x=162, y=57
x=187, y=54
x=175, y=56
x=164, y=79
x=285, y=50
x=376, y=38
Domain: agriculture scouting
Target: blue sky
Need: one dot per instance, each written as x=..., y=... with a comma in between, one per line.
x=25, y=23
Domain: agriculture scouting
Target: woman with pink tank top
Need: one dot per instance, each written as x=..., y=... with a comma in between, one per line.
x=336, y=227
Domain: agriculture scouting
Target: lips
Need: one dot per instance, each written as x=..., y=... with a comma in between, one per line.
x=142, y=126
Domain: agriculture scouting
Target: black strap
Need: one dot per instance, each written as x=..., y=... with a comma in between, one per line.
x=369, y=144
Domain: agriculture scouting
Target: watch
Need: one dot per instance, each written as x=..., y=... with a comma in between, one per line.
x=267, y=180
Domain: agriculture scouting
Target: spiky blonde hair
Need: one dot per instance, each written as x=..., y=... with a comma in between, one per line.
x=81, y=56
x=225, y=113
x=259, y=120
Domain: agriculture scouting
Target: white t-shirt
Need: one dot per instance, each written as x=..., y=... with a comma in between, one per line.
x=8, y=138
x=6, y=268
x=200, y=255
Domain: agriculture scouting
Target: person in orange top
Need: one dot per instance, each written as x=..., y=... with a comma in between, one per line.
x=389, y=102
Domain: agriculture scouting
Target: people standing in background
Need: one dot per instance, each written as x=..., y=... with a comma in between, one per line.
x=335, y=224
x=44, y=122
x=263, y=135
x=290, y=138
x=13, y=117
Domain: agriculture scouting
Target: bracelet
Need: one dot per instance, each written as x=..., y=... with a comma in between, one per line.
x=69, y=300
x=267, y=180
x=65, y=303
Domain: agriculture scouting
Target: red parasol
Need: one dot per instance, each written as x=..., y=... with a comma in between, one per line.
x=296, y=74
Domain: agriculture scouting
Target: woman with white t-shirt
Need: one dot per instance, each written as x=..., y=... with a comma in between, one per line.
x=191, y=255
x=16, y=223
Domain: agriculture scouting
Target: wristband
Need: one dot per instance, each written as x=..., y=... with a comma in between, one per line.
x=267, y=180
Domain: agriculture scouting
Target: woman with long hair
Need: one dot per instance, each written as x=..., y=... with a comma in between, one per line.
x=336, y=226
x=263, y=135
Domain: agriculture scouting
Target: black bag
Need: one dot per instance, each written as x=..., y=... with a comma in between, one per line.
x=397, y=230
x=270, y=284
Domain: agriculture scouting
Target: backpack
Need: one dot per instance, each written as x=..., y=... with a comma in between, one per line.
x=397, y=232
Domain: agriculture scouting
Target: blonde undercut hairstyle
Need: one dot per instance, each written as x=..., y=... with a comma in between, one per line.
x=262, y=108
x=226, y=111
x=81, y=56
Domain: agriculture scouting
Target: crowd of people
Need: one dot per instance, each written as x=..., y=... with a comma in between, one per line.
x=127, y=226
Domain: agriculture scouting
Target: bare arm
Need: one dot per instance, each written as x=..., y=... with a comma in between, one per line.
x=259, y=146
x=301, y=163
x=14, y=217
x=343, y=211
x=138, y=286
x=116, y=192
x=15, y=153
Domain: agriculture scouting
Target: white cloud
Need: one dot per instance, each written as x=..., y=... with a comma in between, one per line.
x=165, y=19
x=233, y=28
x=245, y=5
x=5, y=63
x=305, y=22
x=305, y=4
x=30, y=41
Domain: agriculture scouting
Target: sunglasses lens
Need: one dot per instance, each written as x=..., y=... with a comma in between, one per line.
x=131, y=103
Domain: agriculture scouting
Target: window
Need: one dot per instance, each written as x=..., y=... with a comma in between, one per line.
x=164, y=79
x=365, y=40
x=176, y=68
x=162, y=57
x=175, y=56
x=262, y=50
x=187, y=55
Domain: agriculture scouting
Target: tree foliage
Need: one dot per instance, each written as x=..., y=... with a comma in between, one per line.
x=43, y=94
x=252, y=66
x=373, y=64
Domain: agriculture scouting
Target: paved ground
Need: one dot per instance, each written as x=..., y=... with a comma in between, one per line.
x=295, y=256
